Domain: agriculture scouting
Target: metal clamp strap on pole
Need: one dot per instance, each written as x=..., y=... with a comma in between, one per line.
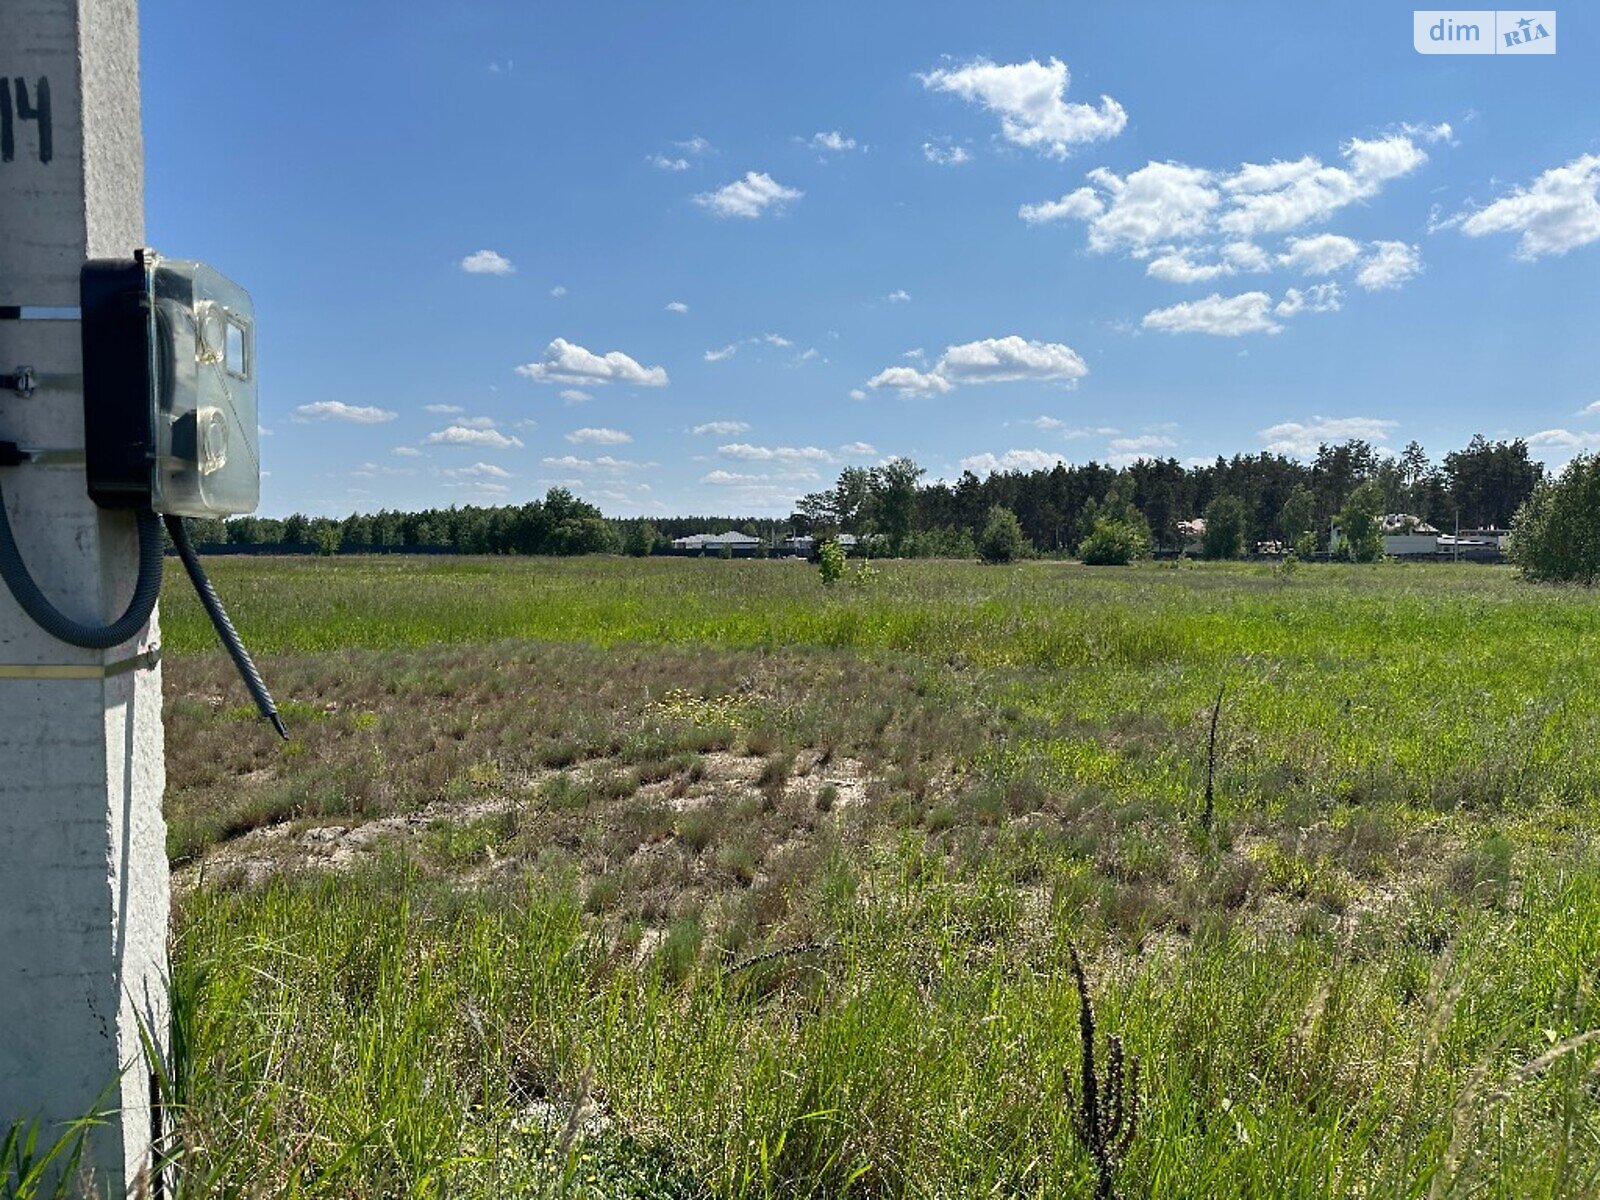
x=21, y=382
x=143, y=661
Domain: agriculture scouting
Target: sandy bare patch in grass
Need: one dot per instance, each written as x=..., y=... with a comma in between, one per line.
x=714, y=785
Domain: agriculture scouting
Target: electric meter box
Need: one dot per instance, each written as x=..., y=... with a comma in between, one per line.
x=169, y=388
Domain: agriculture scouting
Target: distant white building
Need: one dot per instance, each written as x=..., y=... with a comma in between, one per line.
x=1476, y=545
x=1404, y=536
x=1487, y=538
x=715, y=543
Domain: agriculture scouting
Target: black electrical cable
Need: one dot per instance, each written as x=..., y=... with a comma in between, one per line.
x=56, y=623
x=225, y=630
x=146, y=591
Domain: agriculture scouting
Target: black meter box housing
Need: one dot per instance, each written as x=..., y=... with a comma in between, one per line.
x=169, y=388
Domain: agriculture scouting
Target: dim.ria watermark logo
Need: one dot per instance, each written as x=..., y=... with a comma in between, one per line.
x=1484, y=31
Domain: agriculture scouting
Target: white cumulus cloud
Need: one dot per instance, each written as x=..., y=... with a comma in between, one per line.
x=337, y=410
x=1320, y=254
x=1030, y=100
x=442, y=410
x=1559, y=445
x=858, y=448
x=1300, y=439
x=748, y=197
x=604, y=462
x=480, y=470
x=1056, y=425
x=1442, y=132
x=1324, y=297
x=1012, y=460
x=1163, y=203
x=1007, y=359
x=1278, y=196
x=788, y=454
x=909, y=381
x=1081, y=205
x=591, y=436
x=988, y=360
x=463, y=435
x=1561, y=438
x=943, y=154
x=1129, y=450
x=1178, y=266
x=1388, y=265
x=487, y=262
x=566, y=362
x=692, y=148
x=722, y=428
x=727, y=351
x=1160, y=202
x=1218, y=315
x=1246, y=256
x=1557, y=212
x=833, y=141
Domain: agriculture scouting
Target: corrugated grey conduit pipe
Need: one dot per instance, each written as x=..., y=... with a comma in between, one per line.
x=143, y=602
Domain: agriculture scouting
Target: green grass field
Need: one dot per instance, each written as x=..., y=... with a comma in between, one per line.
x=696, y=878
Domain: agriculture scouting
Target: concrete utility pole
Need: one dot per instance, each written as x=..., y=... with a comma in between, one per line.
x=83, y=870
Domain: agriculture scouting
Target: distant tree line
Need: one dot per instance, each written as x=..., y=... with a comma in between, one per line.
x=1092, y=509
x=560, y=523
x=1249, y=498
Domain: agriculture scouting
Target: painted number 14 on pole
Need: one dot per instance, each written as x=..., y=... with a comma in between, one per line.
x=30, y=104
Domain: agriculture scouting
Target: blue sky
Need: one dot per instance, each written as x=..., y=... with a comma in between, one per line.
x=723, y=249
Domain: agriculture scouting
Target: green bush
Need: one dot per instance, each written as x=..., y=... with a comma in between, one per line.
x=1360, y=523
x=1113, y=544
x=830, y=561
x=1298, y=516
x=1555, y=536
x=639, y=539
x=327, y=539
x=1225, y=528
x=1002, y=539
x=947, y=541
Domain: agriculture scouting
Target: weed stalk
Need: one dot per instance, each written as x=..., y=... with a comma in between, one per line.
x=1105, y=1113
x=1208, y=814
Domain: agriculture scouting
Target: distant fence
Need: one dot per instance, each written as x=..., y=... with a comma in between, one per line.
x=736, y=552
